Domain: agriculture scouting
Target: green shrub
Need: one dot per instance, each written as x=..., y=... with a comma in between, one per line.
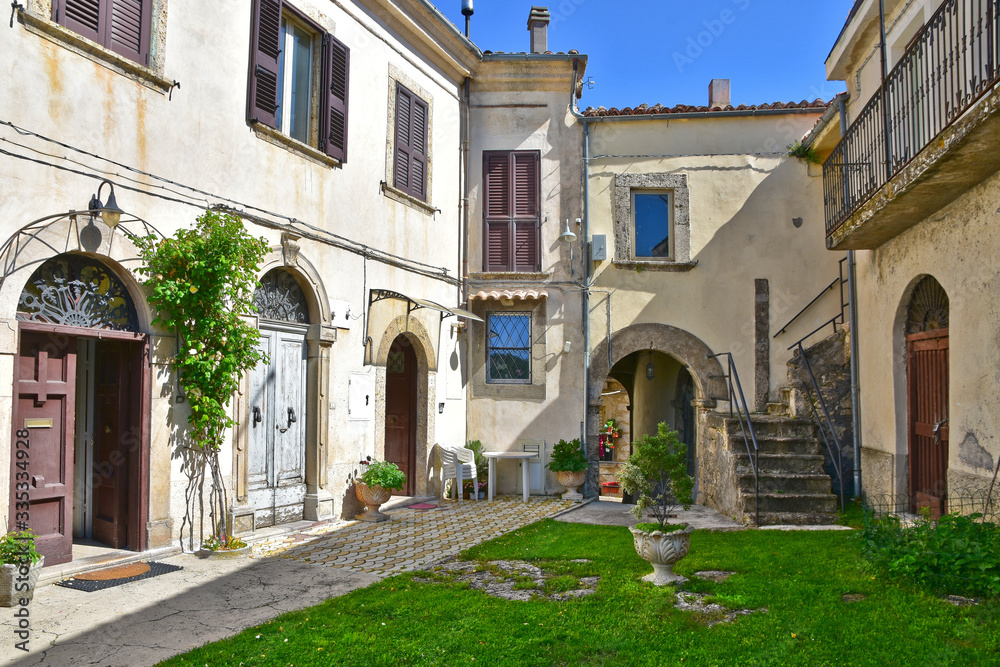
x=656, y=474
x=955, y=554
x=18, y=547
x=567, y=457
x=382, y=473
x=482, y=464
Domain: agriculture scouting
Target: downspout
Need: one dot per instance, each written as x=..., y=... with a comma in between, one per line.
x=852, y=314
x=464, y=241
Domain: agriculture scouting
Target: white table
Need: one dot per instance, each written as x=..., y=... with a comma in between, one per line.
x=493, y=456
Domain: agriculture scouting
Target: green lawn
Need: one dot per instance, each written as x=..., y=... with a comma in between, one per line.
x=799, y=577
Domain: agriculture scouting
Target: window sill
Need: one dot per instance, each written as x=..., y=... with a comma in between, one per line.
x=640, y=266
x=409, y=200
x=533, y=276
x=272, y=136
x=93, y=51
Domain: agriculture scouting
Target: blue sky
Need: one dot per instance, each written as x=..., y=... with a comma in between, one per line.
x=667, y=51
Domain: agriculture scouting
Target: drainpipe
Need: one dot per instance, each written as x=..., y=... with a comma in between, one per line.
x=464, y=241
x=852, y=314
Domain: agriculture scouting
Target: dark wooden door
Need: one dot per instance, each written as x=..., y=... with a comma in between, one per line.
x=927, y=388
x=112, y=425
x=401, y=409
x=44, y=403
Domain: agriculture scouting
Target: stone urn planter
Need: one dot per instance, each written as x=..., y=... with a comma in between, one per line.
x=372, y=497
x=13, y=577
x=662, y=550
x=572, y=481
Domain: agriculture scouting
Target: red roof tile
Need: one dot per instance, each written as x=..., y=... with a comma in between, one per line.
x=645, y=109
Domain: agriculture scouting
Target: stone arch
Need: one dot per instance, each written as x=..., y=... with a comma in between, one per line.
x=415, y=331
x=305, y=274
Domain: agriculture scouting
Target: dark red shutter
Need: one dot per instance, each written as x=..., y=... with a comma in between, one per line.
x=81, y=16
x=130, y=28
x=337, y=65
x=265, y=47
x=418, y=148
x=401, y=161
x=512, y=211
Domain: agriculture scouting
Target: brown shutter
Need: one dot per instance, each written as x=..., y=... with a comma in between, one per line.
x=512, y=210
x=497, y=254
x=81, y=16
x=526, y=211
x=496, y=198
x=401, y=160
x=333, y=132
x=418, y=147
x=265, y=47
x=130, y=28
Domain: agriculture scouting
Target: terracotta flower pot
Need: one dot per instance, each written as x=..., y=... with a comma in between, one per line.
x=572, y=481
x=662, y=550
x=372, y=497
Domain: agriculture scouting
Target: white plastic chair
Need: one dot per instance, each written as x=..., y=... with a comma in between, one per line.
x=458, y=463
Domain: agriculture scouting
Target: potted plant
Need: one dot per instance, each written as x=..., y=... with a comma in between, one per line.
x=656, y=474
x=375, y=486
x=21, y=564
x=570, y=466
x=482, y=469
x=610, y=432
x=222, y=544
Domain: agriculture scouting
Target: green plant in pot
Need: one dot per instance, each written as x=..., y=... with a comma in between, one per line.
x=570, y=465
x=482, y=469
x=375, y=486
x=656, y=474
x=20, y=564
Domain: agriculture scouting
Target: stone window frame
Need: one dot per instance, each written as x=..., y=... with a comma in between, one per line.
x=489, y=348
x=398, y=76
x=680, y=224
x=477, y=343
x=37, y=19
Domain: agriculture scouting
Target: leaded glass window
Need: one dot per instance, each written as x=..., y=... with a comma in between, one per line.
x=279, y=297
x=77, y=291
x=508, y=348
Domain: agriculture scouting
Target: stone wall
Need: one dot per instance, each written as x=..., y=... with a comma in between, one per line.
x=718, y=486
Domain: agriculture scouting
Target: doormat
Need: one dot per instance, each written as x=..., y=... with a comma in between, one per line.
x=116, y=576
x=422, y=506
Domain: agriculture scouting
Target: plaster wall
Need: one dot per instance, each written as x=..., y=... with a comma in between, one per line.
x=959, y=247
x=199, y=138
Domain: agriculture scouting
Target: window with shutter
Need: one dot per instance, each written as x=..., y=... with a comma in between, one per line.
x=124, y=26
x=410, y=159
x=512, y=211
x=285, y=47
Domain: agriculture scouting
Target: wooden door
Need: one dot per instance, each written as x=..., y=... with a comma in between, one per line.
x=112, y=424
x=401, y=410
x=927, y=385
x=44, y=398
x=277, y=442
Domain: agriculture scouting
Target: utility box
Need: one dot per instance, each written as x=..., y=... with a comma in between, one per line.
x=598, y=248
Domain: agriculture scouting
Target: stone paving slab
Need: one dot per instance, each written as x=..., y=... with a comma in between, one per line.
x=618, y=514
x=145, y=622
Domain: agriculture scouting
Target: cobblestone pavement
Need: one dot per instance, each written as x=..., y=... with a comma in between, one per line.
x=413, y=538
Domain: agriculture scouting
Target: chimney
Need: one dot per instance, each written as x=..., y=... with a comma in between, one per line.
x=538, y=26
x=718, y=94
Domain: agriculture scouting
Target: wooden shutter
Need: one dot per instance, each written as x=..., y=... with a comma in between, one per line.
x=336, y=74
x=265, y=47
x=81, y=16
x=410, y=161
x=511, y=211
x=124, y=26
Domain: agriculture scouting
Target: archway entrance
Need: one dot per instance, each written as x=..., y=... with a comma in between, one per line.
x=80, y=410
x=401, y=409
x=276, y=452
x=927, y=395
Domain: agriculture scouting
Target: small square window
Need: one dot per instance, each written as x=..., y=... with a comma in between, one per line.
x=508, y=348
x=651, y=224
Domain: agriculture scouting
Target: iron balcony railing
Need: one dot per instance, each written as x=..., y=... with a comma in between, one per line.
x=947, y=68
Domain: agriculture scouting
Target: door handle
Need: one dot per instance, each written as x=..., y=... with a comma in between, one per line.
x=256, y=416
x=291, y=420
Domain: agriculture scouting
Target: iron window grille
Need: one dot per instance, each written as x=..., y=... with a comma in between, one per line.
x=508, y=348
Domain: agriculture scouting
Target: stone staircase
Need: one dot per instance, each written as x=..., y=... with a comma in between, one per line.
x=794, y=488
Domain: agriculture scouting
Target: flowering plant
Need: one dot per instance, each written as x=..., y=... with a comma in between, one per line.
x=223, y=542
x=382, y=473
x=610, y=484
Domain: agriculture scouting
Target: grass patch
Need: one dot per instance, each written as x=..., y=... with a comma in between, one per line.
x=800, y=577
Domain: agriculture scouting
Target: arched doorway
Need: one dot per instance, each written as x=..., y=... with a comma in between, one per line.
x=927, y=395
x=401, y=409
x=81, y=396
x=276, y=456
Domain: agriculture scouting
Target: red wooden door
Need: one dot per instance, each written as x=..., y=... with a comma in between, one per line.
x=401, y=409
x=44, y=403
x=927, y=385
x=112, y=417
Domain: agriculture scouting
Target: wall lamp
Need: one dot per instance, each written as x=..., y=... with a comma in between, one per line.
x=110, y=213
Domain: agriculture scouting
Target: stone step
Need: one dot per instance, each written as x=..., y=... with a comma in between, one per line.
x=777, y=409
x=778, y=445
x=792, y=502
x=782, y=463
x=784, y=483
x=765, y=425
x=797, y=518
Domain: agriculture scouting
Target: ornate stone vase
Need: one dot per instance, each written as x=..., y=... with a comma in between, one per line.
x=372, y=497
x=662, y=550
x=572, y=481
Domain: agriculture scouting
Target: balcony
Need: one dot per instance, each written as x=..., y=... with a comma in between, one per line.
x=930, y=132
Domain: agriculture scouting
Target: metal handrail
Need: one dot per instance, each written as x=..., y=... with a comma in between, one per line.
x=835, y=458
x=949, y=67
x=733, y=378
x=840, y=280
